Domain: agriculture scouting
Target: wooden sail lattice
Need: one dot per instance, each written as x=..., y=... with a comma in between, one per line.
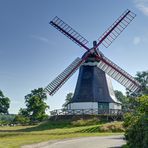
x=64, y=76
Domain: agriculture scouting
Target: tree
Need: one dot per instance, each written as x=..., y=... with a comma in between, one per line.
x=142, y=77
x=136, y=124
x=119, y=95
x=4, y=103
x=6, y=118
x=68, y=99
x=22, y=117
x=23, y=112
x=128, y=102
x=122, y=98
x=19, y=119
x=36, y=106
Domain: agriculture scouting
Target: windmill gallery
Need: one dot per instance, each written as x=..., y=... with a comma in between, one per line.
x=94, y=89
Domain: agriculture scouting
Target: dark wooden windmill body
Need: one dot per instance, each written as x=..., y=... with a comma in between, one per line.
x=94, y=88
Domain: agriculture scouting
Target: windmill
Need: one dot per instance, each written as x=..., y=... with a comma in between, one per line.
x=94, y=88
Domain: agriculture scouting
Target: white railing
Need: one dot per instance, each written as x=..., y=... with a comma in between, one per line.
x=87, y=112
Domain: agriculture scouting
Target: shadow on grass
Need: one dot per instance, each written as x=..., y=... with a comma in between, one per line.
x=47, y=125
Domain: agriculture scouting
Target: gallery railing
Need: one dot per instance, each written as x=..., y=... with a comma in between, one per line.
x=87, y=112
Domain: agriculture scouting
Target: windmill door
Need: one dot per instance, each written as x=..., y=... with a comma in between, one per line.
x=103, y=106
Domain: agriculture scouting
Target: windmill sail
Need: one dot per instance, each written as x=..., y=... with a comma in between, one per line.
x=116, y=28
x=104, y=63
x=64, y=76
x=69, y=32
x=118, y=74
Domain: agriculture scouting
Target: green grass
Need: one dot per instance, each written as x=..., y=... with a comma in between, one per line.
x=13, y=137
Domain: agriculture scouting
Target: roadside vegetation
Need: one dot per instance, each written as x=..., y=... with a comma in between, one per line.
x=136, y=124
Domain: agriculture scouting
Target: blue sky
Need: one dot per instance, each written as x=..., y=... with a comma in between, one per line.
x=33, y=53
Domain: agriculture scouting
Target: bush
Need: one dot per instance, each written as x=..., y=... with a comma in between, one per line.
x=112, y=127
x=85, y=122
x=136, y=125
x=19, y=119
x=6, y=119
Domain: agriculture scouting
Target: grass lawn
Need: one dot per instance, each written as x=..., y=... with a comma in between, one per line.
x=13, y=137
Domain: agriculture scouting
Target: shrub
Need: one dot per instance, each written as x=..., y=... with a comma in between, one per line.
x=19, y=119
x=6, y=119
x=85, y=122
x=112, y=127
x=136, y=125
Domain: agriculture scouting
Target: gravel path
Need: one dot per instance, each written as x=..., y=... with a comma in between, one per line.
x=84, y=142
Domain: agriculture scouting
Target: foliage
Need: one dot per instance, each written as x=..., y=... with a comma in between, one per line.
x=142, y=77
x=22, y=117
x=122, y=98
x=119, y=95
x=6, y=119
x=136, y=124
x=112, y=127
x=68, y=99
x=4, y=103
x=36, y=106
x=19, y=119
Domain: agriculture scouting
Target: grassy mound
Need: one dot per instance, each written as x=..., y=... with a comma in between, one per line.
x=49, y=130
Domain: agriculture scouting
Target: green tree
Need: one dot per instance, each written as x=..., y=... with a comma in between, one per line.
x=68, y=99
x=4, y=103
x=20, y=119
x=122, y=98
x=6, y=118
x=23, y=112
x=142, y=77
x=136, y=124
x=36, y=106
x=119, y=95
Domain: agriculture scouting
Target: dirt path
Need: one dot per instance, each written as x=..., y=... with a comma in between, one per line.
x=83, y=142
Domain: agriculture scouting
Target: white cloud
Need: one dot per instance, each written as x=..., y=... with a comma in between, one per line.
x=40, y=38
x=142, y=5
x=140, y=40
x=136, y=40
